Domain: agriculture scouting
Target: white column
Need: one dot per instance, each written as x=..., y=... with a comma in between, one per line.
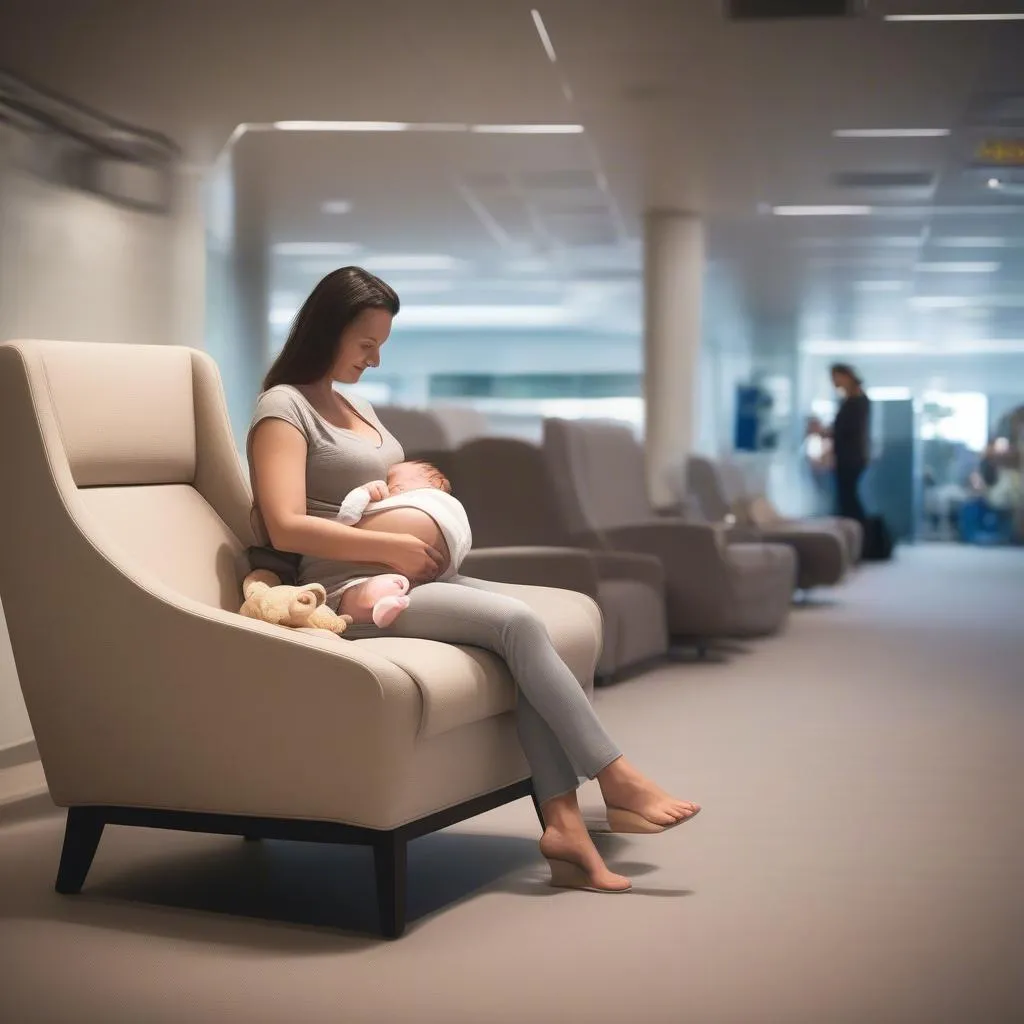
x=673, y=291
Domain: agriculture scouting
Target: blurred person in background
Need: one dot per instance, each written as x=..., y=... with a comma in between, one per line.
x=850, y=435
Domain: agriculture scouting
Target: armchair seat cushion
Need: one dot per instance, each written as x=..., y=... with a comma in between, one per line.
x=460, y=684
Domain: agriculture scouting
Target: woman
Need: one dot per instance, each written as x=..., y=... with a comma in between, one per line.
x=308, y=447
x=851, y=440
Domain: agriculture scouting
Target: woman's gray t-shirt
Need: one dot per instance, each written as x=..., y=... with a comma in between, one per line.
x=337, y=461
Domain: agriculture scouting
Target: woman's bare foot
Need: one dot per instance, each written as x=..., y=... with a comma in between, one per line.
x=566, y=839
x=379, y=600
x=624, y=787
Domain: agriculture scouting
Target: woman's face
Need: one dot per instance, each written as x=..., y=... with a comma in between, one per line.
x=359, y=345
x=840, y=382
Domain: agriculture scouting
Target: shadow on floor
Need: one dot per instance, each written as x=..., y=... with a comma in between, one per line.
x=326, y=891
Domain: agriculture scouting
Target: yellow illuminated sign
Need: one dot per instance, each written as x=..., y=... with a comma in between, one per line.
x=1005, y=152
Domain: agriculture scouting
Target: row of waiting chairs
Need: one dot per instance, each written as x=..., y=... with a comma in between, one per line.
x=572, y=512
x=155, y=703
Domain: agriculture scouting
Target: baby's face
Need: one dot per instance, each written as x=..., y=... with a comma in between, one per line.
x=408, y=476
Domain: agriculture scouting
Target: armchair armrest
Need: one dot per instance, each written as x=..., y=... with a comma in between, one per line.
x=698, y=584
x=179, y=705
x=629, y=565
x=563, y=568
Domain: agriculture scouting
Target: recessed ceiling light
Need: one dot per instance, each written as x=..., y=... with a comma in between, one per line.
x=821, y=211
x=978, y=242
x=971, y=267
x=527, y=129
x=437, y=126
x=941, y=301
x=879, y=286
x=544, y=37
x=871, y=242
x=890, y=133
x=954, y=17
x=484, y=316
x=315, y=248
x=994, y=183
x=341, y=126
x=336, y=206
x=410, y=261
x=982, y=346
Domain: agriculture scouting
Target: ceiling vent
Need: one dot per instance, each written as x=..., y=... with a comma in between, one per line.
x=883, y=179
x=771, y=10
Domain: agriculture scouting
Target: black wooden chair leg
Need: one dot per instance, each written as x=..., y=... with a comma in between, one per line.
x=390, y=864
x=81, y=837
x=536, y=807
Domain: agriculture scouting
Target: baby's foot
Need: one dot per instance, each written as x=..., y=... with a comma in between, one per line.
x=379, y=599
x=387, y=609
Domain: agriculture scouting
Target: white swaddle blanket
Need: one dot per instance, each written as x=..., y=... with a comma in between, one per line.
x=445, y=509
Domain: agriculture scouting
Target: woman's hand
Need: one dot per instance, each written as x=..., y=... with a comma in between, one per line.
x=410, y=556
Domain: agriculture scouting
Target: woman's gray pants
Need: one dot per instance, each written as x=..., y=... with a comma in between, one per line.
x=558, y=728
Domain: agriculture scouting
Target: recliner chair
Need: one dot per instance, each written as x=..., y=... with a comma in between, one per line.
x=714, y=588
x=505, y=486
x=826, y=545
x=153, y=702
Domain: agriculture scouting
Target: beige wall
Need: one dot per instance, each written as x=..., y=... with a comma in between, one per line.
x=77, y=267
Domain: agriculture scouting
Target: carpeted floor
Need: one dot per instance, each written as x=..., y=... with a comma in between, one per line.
x=860, y=859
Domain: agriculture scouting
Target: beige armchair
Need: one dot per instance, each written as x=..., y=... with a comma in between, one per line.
x=153, y=702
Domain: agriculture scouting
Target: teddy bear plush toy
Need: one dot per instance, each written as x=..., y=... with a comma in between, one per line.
x=267, y=599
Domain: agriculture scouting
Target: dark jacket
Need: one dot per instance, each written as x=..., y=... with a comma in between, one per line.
x=851, y=431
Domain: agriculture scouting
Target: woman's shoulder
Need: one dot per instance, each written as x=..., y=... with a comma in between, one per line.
x=282, y=401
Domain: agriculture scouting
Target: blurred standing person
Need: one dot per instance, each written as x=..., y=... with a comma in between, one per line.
x=851, y=440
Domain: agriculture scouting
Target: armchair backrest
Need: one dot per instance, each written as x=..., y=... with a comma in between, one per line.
x=597, y=471
x=460, y=423
x=506, y=489
x=417, y=430
x=706, y=488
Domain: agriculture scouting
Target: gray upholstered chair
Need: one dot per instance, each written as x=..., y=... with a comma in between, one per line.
x=714, y=588
x=826, y=546
x=506, y=489
x=417, y=430
x=153, y=702
x=717, y=490
x=460, y=423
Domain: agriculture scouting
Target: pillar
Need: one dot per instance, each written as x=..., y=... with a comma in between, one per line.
x=673, y=291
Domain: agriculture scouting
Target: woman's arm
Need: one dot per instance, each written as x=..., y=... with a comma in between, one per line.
x=279, y=467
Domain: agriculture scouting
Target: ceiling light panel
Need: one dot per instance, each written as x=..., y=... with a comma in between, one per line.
x=890, y=133
x=526, y=129
x=822, y=211
x=545, y=39
x=961, y=267
x=1008, y=16
x=341, y=126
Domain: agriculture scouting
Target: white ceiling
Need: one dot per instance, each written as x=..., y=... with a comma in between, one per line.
x=681, y=109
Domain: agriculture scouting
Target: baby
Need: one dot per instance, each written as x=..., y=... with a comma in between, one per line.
x=410, y=485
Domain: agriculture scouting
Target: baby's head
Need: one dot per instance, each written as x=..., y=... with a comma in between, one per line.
x=412, y=475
